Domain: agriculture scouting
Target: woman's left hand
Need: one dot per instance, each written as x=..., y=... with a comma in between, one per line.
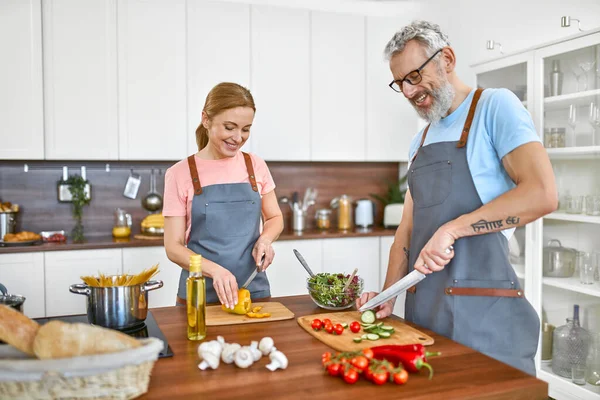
x=263, y=247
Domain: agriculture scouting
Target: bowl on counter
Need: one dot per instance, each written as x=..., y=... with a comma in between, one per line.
x=327, y=290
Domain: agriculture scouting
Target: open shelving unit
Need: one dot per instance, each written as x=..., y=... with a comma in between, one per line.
x=577, y=170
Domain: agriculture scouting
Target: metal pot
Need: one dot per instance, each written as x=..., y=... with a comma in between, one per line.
x=12, y=300
x=119, y=307
x=8, y=222
x=559, y=261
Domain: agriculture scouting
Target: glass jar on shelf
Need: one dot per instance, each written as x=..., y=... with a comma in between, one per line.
x=570, y=345
x=592, y=375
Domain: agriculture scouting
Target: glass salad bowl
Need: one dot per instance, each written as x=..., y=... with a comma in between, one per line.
x=327, y=290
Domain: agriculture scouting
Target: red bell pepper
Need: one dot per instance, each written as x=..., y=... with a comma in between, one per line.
x=412, y=357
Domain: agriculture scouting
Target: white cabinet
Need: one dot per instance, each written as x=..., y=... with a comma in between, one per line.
x=135, y=260
x=391, y=120
x=152, y=79
x=80, y=79
x=337, y=87
x=345, y=254
x=23, y=274
x=218, y=50
x=286, y=275
x=21, y=102
x=64, y=268
x=281, y=83
x=385, y=244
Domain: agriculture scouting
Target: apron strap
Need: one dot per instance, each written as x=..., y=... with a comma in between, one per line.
x=465, y=133
x=491, y=292
x=422, y=141
x=194, y=173
x=250, y=169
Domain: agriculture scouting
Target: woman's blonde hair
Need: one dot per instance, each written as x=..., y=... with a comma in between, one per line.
x=224, y=96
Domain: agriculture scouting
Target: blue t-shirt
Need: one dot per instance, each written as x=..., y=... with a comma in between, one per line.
x=500, y=125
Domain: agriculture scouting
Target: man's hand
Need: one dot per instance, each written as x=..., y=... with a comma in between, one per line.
x=437, y=253
x=384, y=310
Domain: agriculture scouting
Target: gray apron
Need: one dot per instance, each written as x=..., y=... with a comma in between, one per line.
x=225, y=226
x=476, y=299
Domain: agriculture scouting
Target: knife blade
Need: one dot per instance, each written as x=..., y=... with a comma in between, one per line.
x=397, y=288
x=254, y=273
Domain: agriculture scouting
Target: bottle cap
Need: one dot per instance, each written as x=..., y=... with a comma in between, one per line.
x=196, y=263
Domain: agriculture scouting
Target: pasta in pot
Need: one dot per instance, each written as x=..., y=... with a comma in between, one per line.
x=121, y=280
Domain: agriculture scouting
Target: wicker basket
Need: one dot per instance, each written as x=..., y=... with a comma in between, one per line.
x=123, y=375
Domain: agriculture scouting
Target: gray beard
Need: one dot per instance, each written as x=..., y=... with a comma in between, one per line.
x=442, y=100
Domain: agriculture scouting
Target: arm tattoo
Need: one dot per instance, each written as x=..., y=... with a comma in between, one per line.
x=512, y=220
x=406, y=252
x=482, y=224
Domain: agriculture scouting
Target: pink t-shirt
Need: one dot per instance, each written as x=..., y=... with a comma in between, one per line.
x=179, y=189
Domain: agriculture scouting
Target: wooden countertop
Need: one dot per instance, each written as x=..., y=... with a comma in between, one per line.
x=460, y=372
x=108, y=242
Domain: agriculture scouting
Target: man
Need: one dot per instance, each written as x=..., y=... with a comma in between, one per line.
x=477, y=171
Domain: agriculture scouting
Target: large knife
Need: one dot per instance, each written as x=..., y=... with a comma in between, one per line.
x=254, y=273
x=397, y=288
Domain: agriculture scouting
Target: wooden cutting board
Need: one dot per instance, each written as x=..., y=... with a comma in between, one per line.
x=216, y=316
x=403, y=334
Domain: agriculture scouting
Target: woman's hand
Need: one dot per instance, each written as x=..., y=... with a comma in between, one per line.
x=226, y=287
x=263, y=247
x=436, y=254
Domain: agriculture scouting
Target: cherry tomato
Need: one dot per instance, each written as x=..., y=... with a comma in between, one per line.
x=355, y=327
x=379, y=378
x=326, y=321
x=368, y=374
x=338, y=329
x=360, y=362
x=316, y=324
x=334, y=369
x=328, y=328
x=368, y=353
x=325, y=357
x=350, y=375
x=401, y=377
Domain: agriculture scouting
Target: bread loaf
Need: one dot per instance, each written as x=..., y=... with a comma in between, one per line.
x=57, y=339
x=17, y=330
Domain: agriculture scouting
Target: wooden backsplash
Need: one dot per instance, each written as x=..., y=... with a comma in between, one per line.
x=35, y=190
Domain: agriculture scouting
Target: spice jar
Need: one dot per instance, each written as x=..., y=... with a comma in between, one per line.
x=343, y=204
x=322, y=217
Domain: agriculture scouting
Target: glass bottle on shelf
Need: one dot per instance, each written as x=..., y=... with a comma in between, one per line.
x=570, y=346
x=592, y=375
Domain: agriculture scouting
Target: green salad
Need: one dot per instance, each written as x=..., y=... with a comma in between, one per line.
x=328, y=289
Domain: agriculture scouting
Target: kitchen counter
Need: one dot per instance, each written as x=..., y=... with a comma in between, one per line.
x=108, y=242
x=460, y=372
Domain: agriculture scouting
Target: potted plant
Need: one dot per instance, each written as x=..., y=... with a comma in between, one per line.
x=393, y=202
x=77, y=187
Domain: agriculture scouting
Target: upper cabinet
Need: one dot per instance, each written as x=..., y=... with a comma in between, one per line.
x=218, y=50
x=281, y=83
x=337, y=67
x=391, y=120
x=152, y=79
x=80, y=79
x=21, y=102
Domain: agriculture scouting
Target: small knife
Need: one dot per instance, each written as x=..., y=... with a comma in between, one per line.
x=254, y=273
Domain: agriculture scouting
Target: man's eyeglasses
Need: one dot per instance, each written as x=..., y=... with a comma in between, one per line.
x=413, y=77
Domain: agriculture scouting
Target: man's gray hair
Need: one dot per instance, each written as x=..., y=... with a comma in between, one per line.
x=427, y=33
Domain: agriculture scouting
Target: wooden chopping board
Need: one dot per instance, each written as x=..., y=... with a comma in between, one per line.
x=403, y=333
x=216, y=316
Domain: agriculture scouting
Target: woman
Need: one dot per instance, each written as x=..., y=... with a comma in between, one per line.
x=214, y=199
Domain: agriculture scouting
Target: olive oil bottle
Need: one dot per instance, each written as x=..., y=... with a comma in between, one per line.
x=196, y=300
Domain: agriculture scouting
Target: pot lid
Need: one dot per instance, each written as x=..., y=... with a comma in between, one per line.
x=555, y=245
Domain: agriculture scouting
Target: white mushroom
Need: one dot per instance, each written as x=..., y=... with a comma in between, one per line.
x=278, y=360
x=265, y=345
x=243, y=358
x=256, y=353
x=209, y=360
x=228, y=353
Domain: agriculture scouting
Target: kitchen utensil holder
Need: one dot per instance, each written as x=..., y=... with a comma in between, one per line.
x=299, y=220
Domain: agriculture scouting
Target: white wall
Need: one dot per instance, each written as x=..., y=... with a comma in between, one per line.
x=516, y=24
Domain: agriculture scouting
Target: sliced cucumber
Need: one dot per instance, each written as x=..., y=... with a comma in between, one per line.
x=372, y=336
x=387, y=328
x=345, y=325
x=364, y=337
x=368, y=326
x=357, y=340
x=384, y=334
x=379, y=324
x=368, y=317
